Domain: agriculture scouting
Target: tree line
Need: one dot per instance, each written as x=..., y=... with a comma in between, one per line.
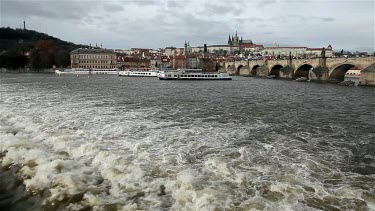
x=26, y=48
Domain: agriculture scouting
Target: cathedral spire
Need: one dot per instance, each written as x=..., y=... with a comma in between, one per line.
x=229, y=40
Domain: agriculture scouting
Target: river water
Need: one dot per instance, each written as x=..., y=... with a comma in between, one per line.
x=111, y=143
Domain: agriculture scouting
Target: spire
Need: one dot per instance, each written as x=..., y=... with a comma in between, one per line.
x=229, y=40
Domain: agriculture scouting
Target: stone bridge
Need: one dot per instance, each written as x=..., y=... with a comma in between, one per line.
x=322, y=69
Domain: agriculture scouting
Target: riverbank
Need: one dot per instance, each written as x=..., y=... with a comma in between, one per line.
x=27, y=70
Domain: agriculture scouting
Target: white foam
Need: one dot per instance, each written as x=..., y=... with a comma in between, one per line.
x=70, y=148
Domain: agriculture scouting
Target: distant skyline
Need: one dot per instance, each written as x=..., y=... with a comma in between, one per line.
x=344, y=24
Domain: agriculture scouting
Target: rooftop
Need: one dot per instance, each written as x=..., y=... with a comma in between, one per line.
x=92, y=50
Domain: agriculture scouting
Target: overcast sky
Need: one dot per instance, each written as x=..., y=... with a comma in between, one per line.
x=123, y=24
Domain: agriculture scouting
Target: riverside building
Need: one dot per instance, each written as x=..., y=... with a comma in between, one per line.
x=93, y=58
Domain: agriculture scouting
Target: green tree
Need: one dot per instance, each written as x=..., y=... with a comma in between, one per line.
x=62, y=58
x=13, y=60
x=35, y=60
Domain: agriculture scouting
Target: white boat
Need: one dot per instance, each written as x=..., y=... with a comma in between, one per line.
x=193, y=74
x=79, y=71
x=139, y=73
x=143, y=72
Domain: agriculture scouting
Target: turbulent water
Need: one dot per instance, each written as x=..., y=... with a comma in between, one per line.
x=110, y=143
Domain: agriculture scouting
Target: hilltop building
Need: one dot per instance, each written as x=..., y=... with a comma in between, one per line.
x=93, y=58
x=234, y=44
x=236, y=41
x=297, y=52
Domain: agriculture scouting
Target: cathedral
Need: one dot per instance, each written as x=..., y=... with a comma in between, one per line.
x=236, y=41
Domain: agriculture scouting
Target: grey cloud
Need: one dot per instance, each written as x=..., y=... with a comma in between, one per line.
x=113, y=7
x=328, y=19
x=264, y=3
x=46, y=9
x=174, y=4
x=261, y=26
x=151, y=23
x=222, y=9
x=15, y=8
x=141, y=2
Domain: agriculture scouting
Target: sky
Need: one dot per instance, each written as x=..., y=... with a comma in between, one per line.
x=124, y=24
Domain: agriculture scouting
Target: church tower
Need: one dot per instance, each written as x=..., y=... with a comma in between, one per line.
x=229, y=40
x=185, y=48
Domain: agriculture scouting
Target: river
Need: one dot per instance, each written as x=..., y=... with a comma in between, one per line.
x=112, y=143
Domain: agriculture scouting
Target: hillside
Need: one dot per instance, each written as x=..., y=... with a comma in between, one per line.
x=19, y=38
x=20, y=48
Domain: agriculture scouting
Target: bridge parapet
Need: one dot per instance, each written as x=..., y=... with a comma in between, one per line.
x=360, y=62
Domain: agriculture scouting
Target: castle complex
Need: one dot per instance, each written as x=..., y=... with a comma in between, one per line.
x=234, y=45
x=237, y=45
x=235, y=41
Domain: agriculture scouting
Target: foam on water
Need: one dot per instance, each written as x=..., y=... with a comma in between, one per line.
x=137, y=158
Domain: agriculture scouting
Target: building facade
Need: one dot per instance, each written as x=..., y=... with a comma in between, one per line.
x=93, y=58
x=297, y=52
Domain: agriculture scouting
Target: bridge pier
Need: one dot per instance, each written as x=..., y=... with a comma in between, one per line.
x=367, y=76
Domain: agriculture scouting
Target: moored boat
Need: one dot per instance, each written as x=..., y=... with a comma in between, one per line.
x=79, y=71
x=139, y=73
x=193, y=74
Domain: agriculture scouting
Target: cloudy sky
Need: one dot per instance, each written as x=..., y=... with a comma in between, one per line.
x=345, y=24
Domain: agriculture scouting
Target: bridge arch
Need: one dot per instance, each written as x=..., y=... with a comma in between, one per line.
x=254, y=70
x=238, y=71
x=302, y=71
x=275, y=70
x=218, y=67
x=338, y=72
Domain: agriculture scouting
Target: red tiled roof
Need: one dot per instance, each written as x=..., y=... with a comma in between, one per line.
x=251, y=45
x=318, y=49
x=180, y=57
x=283, y=47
